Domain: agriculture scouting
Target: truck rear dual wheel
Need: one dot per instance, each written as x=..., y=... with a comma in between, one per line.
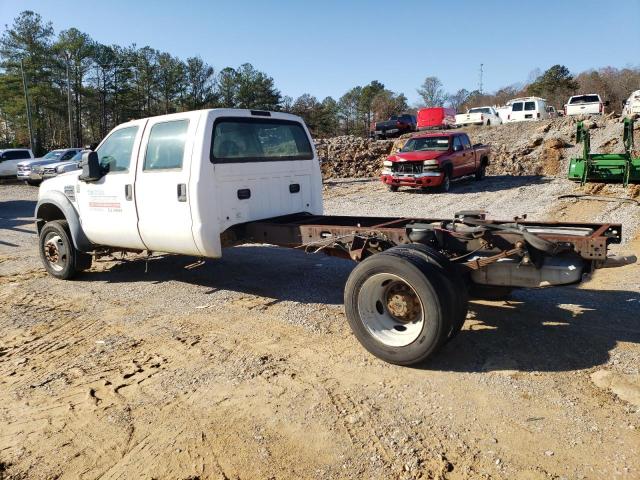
x=399, y=307
x=58, y=254
x=453, y=281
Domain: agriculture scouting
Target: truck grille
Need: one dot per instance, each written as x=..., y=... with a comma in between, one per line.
x=407, y=167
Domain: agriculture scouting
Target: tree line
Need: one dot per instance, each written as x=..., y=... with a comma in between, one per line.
x=78, y=89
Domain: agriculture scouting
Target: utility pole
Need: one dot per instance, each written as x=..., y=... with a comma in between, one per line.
x=71, y=144
x=26, y=100
x=481, y=65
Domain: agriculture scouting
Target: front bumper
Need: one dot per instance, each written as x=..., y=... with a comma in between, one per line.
x=426, y=179
x=23, y=174
x=36, y=175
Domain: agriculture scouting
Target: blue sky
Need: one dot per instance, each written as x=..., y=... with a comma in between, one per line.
x=326, y=47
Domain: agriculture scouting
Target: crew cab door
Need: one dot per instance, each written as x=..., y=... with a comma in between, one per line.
x=107, y=206
x=162, y=184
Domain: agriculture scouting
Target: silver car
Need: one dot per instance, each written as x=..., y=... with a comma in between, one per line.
x=30, y=171
x=55, y=169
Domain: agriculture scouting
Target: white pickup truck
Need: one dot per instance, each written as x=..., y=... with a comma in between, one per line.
x=479, y=116
x=193, y=183
x=590, y=104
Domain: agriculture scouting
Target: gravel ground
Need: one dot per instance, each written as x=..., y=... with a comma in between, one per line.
x=234, y=369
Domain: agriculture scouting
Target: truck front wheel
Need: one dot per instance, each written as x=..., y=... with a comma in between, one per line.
x=57, y=252
x=398, y=308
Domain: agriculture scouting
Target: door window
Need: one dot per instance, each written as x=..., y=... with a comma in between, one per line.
x=516, y=107
x=165, y=147
x=457, y=144
x=68, y=156
x=529, y=106
x=465, y=142
x=115, y=152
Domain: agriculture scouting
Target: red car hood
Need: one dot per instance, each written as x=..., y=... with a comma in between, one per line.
x=415, y=156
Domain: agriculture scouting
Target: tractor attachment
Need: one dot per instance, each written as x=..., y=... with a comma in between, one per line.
x=605, y=167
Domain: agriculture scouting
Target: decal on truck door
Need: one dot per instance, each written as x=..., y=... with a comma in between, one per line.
x=100, y=202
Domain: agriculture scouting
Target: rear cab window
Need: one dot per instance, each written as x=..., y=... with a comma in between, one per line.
x=237, y=139
x=584, y=99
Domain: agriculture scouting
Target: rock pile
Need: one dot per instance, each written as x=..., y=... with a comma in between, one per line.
x=350, y=156
x=524, y=148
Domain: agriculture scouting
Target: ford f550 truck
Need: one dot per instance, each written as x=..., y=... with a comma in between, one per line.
x=193, y=183
x=431, y=160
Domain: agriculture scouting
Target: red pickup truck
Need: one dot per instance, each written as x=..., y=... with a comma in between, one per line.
x=432, y=159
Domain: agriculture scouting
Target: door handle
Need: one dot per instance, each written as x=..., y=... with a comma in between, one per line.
x=128, y=192
x=182, y=192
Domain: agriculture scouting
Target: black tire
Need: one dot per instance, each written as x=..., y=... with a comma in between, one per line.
x=488, y=123
x=393, y=188
x=482, y=171
x=445, y=186
x=33, y=183
x=426, y=284
x=454, y=282
x=57, y=252
x=489, y=292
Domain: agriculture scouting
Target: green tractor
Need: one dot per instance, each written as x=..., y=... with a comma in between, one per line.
x=605, y=167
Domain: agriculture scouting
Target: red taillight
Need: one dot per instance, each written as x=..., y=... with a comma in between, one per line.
x=509, y=117
x=601, y=108
x=565, y=110
x=482, y=116
x=538, y=114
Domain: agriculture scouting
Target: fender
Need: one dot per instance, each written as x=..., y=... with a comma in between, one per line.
x=59, y=200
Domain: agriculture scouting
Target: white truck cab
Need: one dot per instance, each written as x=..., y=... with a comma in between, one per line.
x=173, y=183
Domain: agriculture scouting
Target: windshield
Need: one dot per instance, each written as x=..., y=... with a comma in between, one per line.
x=422, y=144
x=480, y=110
x=53, y=154
x=585, y=99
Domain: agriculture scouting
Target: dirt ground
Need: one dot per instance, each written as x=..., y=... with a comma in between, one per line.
x=245, y=367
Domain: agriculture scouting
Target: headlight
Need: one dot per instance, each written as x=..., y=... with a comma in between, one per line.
x=430, y=165
x=387, y=163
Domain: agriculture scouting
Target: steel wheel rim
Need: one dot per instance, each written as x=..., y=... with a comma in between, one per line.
x=55, y=251
x=390, y=310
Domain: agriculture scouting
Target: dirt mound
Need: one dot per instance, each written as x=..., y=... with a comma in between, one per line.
x=524, y=148
x=350, y=156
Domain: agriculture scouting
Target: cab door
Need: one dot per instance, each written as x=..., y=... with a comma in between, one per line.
x=458, y=157
x=469, y=155
x=107, y=207
x=162, y=184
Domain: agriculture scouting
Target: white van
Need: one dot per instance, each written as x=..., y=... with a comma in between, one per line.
x=527, y=109
x=632, y=105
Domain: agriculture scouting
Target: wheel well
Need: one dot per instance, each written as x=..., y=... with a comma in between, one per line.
x=46, y=213
x=484, y=161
